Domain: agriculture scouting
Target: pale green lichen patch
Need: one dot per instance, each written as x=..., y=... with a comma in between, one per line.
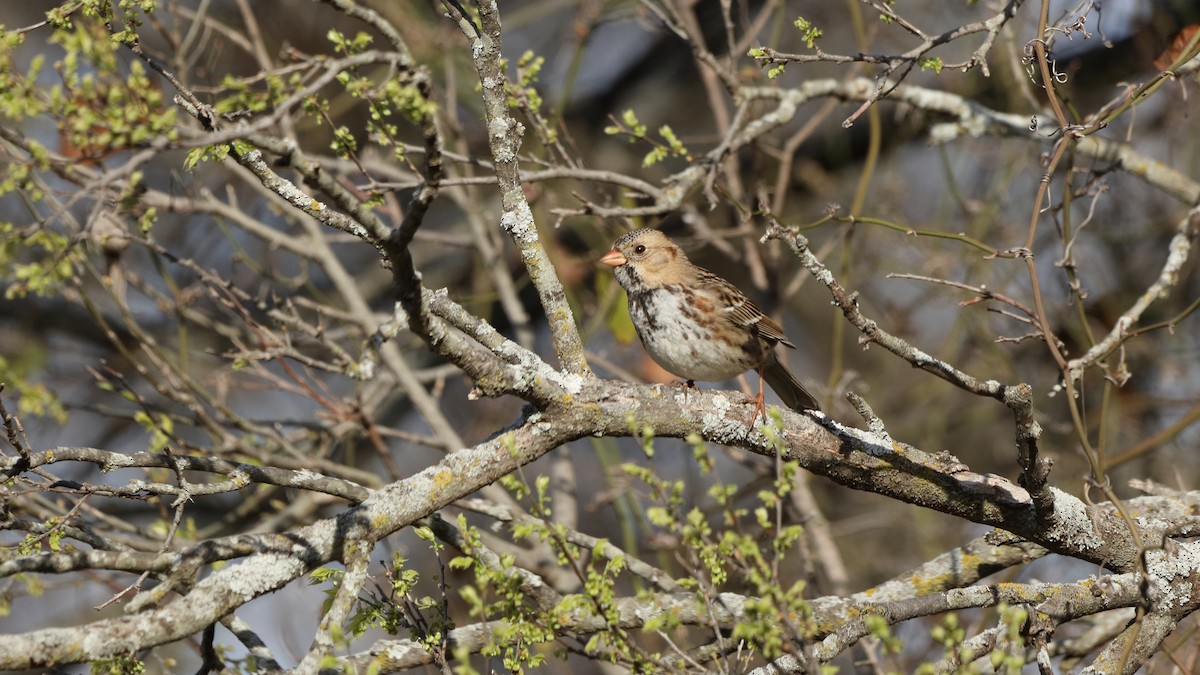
x=262, y=574
x=305, y=477
x=1071, y=522
x=1172, y=571
x=502, y=149
x=876, y=444
x=718, y=424
x=519, y=224
x=571, y=382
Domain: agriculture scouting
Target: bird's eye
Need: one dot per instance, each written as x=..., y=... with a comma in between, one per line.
x=639, y=249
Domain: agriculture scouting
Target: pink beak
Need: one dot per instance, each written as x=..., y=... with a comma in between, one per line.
x=614, y=258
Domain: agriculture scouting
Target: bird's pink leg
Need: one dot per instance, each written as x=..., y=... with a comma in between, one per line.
x=760, y=402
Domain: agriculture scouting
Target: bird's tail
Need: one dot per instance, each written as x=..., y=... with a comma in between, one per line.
x=789, y=389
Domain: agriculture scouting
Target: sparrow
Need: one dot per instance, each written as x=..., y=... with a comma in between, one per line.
x=697, y=325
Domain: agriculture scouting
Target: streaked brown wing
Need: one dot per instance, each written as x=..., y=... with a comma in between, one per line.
x=740, y=310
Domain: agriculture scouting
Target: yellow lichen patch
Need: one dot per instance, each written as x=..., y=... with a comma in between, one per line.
x=931, y=584
x=969, y=563
x=443, y=479
x=380, y=522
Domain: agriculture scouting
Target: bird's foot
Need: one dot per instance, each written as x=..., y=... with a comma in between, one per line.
x=760, y=408
x=686, y=385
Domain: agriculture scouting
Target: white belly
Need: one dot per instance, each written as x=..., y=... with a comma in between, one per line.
x=684, y=347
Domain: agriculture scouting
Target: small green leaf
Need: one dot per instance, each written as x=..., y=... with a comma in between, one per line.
x=810, y=32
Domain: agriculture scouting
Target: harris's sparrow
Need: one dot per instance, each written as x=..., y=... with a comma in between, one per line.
x=695, y=324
